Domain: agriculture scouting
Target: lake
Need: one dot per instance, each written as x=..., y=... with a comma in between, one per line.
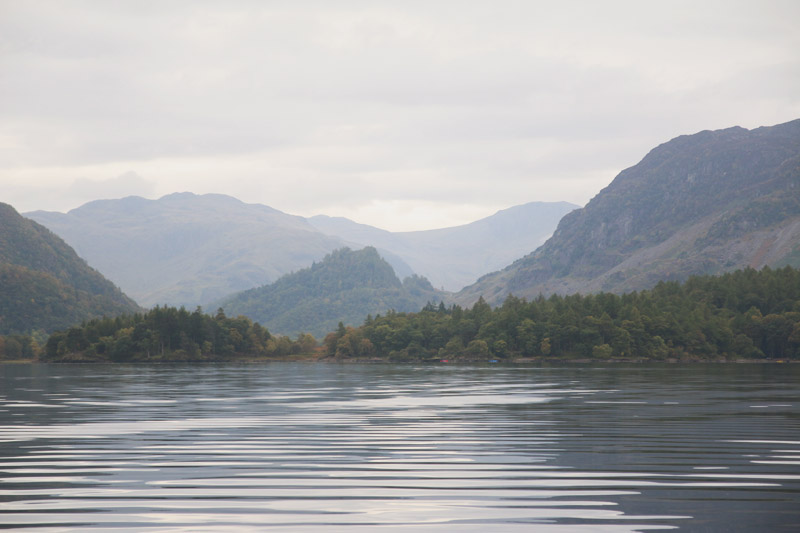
x=326, y=447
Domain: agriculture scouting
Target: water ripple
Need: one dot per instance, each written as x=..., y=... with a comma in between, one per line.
x=323, y=448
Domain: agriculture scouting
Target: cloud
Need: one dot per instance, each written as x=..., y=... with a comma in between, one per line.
x=349, y=105
x=58, y=196
x=128, y=184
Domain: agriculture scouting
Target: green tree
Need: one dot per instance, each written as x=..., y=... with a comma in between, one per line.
x=602, y=351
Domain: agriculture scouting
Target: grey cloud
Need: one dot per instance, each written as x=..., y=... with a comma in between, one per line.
x=353, y=101
x=128, y=184
x=32, y=196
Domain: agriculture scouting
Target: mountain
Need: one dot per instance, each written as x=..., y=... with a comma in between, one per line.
x=454, y=257
x=44, y=284
x=706, y=203
x=187, y=249
x=345, y=286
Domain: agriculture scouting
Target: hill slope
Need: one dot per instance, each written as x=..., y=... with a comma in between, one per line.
x=44, y=284
x=454, y=257
x=345, y=287
x=699, y=204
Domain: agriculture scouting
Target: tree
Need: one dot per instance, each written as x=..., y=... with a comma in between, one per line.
x=602, y=351
x=545, y=346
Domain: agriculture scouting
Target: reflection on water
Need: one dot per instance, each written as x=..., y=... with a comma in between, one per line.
x=302, y=447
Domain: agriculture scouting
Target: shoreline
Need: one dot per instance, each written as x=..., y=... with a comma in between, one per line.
x=312, y=358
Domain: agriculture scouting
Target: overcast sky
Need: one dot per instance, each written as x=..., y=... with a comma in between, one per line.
x=401, y=114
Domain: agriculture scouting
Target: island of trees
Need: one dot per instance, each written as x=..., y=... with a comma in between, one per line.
x=746, y=314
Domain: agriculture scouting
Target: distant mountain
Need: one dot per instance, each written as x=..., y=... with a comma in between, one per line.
x=44, y=285
x=345, y=286
x=187, y=249
x=454, y=257
x=706, y=203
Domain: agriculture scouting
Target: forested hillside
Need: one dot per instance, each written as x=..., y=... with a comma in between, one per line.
x=44, y=285
x=706, y=203
x=746, y=314
x=345, y=286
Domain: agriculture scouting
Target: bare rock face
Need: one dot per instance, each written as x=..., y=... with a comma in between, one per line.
x=706, y=203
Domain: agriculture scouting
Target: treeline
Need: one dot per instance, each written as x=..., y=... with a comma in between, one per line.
x=170, y=334
x=746, y=314
x=18, y=347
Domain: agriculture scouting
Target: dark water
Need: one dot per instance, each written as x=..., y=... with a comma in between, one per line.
x=304, y=447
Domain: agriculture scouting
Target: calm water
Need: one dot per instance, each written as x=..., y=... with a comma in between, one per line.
x=305, y=447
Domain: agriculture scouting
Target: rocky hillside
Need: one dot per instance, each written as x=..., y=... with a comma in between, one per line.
x=705, y=203
x=44, y=285
x=344, y=287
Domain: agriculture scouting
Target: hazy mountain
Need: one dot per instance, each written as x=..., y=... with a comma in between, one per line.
x=454, y=257
x=44, y=285
x=187, y=249
x=699, y=204
x=345, y=286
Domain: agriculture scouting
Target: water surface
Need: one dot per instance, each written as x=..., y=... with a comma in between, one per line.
x=309, y=447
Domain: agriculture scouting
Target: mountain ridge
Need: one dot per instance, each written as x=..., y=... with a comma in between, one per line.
x=455, y=256
x=693, y=205
x=187, y=249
